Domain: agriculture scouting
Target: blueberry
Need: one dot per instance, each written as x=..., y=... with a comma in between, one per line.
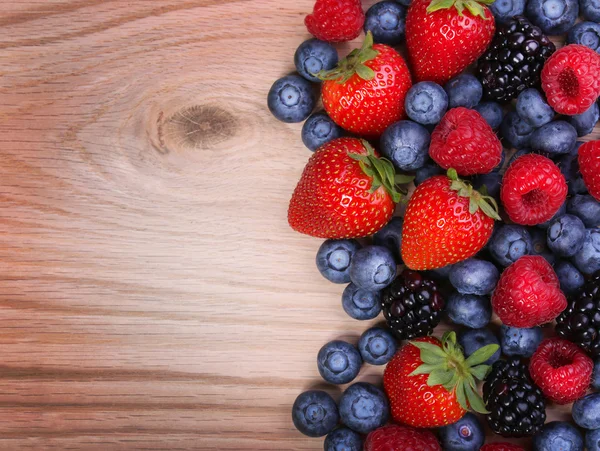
x=429, y=170
x=561, y=211
x=319, y=129
x=315, y=413
x=533, y=108
x=585, y=122
x=364, y=407
x=515, y=131
x=586, y=411
x=373, y=268
x=466, y=434
x=520, y=342
x=474, y=276
x=473, y=339
x=469, y=310
x=360, y=304
x=406, y=144
x=519, y=153
x=313, y=56
x=592, y=440
x=491, y=181
x=291, y=99
x=404, y=2
x=491, y=111
x=569, y=166
x=334, y=258
x=391, y=237
x=596, y=375
x=377, y=346
x=509, y=243
x=504, y=10
x=565, y=235
x=586, y=208
x=569, y=277
x=386, y=20
x=557, y=137
x=554, y=17
x=586, y=33
x=540, y=244
x=343, y=439
x=590, y=10
x=440, y=273
x=558, y=436
x=464, y=90
x=426, y=103
x=338, y=362
x=587, y=260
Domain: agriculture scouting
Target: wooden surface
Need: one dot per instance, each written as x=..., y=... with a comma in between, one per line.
x=152, y=296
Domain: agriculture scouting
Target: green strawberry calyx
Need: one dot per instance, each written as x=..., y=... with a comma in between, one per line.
x=447, y=366
x=382, y=171
x=477, y=199
x=354, y=63
x=475, y=7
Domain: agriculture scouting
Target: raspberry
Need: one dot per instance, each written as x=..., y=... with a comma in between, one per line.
x=533, y=190
x=336, y=20
x=570, y=79
x=589, y=164
x=401, y=437
x=501, y=447
x=528, y=293
x=463, y=140
x=561, y=369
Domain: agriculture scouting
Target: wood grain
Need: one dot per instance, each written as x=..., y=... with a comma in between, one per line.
x=151, y=294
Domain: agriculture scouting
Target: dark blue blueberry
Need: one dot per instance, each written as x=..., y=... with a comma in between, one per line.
x=338, y=362
x=520, y=342
x=557, y=137
x=373, y=268
x=292, y=99
x=558, y=436
x=343, y=439
x=515, y=131
x=586, y=33
x=377, y=346
x=474, y=276
x=464, y=90
x=469, y=310
x=491, y=111
x=504, y=10
x=569, y=166
x=519, y=153
x=565, y=235
x=426, y=103
x=586, y=411
x=561, y=211
x=585, y=122
x=473, y=339
x=590, y=10
x=554, y=17
x=592, y=440
x=364, y=407
x=491, y=181
x=391, y=237
x=315, y=413
x=533, y=108
x=406, y=144
x=313, y=56
x=360, y=304
x=319, y=129
x=586, y=208
x=587, y=260
x=569, y=277
x=429, y=170
x=509, y=243
x=466, y=434
x=334, y=258
x=440, y=273
x=596, y=375
x=386, y=20
x=540, y=245
x=404, y=2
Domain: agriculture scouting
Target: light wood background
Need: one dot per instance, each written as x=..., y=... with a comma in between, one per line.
x=152, y=295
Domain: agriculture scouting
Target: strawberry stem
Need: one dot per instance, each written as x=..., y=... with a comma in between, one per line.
x=354, y=63
x=475, y=7
x=477, y=199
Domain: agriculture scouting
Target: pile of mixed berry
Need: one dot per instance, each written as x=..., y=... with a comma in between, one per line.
x=470, y=101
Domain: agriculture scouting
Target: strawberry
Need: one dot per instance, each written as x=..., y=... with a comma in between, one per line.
x=443, y=37
x=589, y=163
x=446, y=221
x=345, y=191
x=336, y=20
x=365, y=93
x=403, y=438
x=430, y=383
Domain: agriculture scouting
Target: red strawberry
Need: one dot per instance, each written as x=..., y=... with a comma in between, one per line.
x=501, y=447
x=439, y=392
x=533, y=189
x=463, y=140
x=443, y=37
x=395, y=437
x=589, y=164
x=528, y=293
x=365, y=93
x=446, y=221
x=345, y=191
x=336, y=20
x=561, y=369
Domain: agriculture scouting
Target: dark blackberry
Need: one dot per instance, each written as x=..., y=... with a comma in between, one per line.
x=580, y=321
x=412, y=305
x=514, y=60
x=516, y=405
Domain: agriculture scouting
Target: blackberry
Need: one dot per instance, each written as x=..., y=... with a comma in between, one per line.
x=580, y=321
x=412, y=305
x=517, y=406
x=514, y=60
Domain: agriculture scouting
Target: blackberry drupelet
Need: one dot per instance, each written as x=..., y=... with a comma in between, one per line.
x=514, y=60
x=517, y=406
x=412, y=305
x=580, y=321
